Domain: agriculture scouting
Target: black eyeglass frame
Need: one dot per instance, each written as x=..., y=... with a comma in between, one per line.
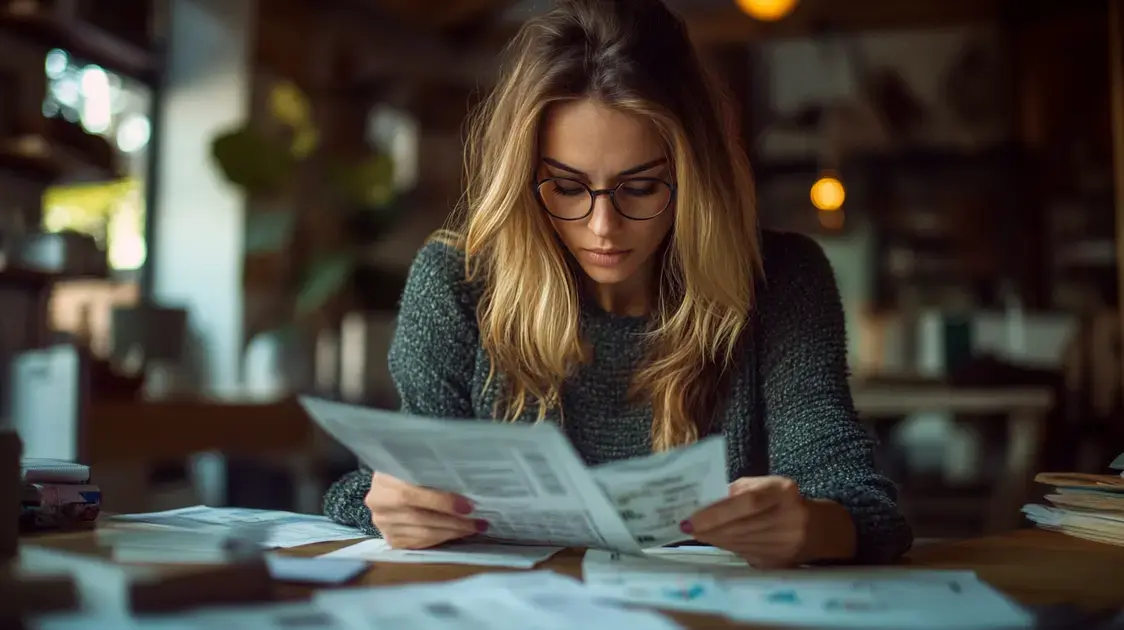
x=611, y=193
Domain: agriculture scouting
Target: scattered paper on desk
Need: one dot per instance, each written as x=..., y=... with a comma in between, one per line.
x=295, y=616
x=528, y=482
x=885, y=599
x=286, y=529
x=823, y=598
x=326, y=571
x=479, y=554
x=638, y=579
x=698, y=555
x=537, y=600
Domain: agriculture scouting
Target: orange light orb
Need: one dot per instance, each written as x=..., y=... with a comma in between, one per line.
x=767, y=10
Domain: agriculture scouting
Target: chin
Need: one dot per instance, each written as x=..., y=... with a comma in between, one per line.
x=608, y=276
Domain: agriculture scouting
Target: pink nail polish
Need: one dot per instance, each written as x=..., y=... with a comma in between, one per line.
x=481, y=526
x=686, y=527
x=463, y=506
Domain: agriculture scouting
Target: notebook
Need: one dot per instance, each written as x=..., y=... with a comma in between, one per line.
x=40, y=470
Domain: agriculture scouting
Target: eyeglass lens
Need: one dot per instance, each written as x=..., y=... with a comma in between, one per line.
x=570, y=199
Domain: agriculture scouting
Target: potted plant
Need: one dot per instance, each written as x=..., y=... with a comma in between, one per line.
x=311, y=219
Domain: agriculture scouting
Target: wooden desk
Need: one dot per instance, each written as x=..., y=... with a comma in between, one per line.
x=1032, y=566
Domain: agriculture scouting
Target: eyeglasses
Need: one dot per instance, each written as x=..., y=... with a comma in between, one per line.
x=638, y=198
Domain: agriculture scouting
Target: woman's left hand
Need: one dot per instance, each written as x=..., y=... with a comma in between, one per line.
x=764, y=520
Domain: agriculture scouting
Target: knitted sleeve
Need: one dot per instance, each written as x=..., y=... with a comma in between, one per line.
x=431, y=359
x=815, y=437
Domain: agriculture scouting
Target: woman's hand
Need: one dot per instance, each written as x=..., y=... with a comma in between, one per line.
x=764, y=520
x=413, y=517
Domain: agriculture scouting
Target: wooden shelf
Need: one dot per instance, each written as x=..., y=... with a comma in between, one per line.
x=49, y=160
x=85, y=42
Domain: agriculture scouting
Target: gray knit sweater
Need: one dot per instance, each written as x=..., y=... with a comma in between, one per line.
x=788, y=401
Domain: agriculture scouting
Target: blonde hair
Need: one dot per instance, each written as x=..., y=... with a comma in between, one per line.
x=633, y=55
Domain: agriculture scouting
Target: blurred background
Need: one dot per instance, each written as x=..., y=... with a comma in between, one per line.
x=209, y=206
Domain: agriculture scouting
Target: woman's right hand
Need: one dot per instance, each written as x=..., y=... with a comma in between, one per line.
x=413, y=517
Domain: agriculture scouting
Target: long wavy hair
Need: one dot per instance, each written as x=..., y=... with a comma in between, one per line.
x=633, y=55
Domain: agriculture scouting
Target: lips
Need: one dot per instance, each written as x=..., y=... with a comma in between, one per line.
x=606, y=257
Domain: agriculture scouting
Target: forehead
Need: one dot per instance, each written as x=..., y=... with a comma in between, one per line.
x=597, y=139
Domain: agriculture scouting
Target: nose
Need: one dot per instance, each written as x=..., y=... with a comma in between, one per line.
x=604, y=220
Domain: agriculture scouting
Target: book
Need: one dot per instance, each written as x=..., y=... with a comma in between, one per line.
x=43, y=470
x=1082, y=505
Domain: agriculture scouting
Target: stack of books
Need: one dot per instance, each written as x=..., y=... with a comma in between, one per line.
x=1083, y=505
x=57, y=494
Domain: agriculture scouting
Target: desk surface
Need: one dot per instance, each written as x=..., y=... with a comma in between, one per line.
x=1032, y=566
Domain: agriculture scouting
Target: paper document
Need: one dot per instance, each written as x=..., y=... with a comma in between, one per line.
x=655, y=581
x=538, y=600
x=284, y=529
x=478, y=554
x=898, y=599
x=331, y=571
x=528, y=482
x=847, y=597
x=655, y=494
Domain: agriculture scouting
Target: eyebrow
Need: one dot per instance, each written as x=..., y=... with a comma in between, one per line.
x=635, y=170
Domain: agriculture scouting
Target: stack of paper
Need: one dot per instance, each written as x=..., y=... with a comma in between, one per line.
x=1083, y=505
x=528, y=482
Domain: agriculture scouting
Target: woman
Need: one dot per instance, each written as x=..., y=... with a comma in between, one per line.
x=609, y=276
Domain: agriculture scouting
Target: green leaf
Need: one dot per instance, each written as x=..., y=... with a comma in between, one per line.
x=323, y=279
x=268, y=231
x=253, y=162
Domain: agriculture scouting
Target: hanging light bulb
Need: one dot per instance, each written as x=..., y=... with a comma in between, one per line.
x=767, y=10
x=828, y=193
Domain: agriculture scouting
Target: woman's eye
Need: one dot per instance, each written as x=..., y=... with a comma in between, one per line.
x=639, y=189
x=567, y=191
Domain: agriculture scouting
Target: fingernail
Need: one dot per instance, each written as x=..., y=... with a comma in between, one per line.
x=686, y=527
x=481, y=526
x=463, y=506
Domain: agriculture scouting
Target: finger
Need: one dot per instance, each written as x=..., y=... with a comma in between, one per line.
x=758, y=524
x=414, y=537
x=729, y=510
x=415, y=517
x=395, y=492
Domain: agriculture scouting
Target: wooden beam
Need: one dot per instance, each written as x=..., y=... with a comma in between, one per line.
x=730, y=25
x=1116, y=79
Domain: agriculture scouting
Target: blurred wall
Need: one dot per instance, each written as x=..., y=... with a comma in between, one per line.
x=197, y=256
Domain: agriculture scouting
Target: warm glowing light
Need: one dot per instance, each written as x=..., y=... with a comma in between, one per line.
x=828, y=194
x=767, y=10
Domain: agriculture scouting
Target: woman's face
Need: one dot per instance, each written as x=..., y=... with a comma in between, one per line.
x=589, y=143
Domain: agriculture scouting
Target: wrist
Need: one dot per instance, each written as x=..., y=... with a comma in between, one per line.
x=831, y=532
